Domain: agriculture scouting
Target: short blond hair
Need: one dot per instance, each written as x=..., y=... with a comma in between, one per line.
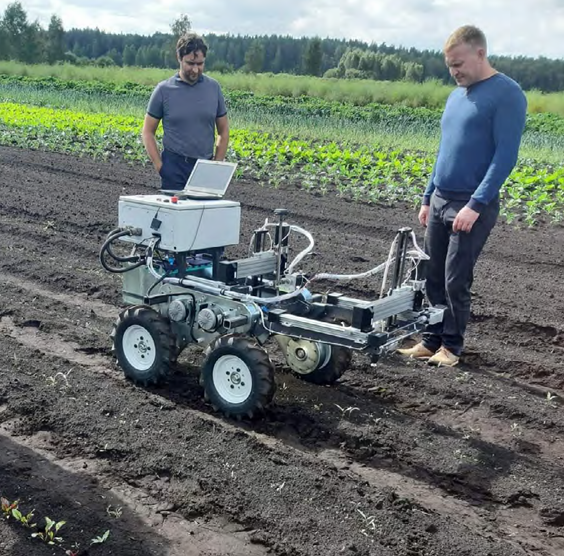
x=467, y=34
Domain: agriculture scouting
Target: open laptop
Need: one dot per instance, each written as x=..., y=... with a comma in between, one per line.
x=209, y=180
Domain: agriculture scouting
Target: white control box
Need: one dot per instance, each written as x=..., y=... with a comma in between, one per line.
x=184, y=225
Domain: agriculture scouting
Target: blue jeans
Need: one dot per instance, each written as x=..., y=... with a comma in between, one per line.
x=176, y=170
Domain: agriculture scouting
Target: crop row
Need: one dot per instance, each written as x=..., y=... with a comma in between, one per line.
x=396, y=115
x=533, y=191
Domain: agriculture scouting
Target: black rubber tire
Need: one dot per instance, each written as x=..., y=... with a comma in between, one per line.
x=159, y=330
x=259, y=366
x=333, y=370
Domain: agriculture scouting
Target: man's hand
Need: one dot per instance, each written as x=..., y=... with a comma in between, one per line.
x=424, y=215
x=465, y=220
x=150, y=126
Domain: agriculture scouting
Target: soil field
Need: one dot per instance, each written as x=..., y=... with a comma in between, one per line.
x=396, y=459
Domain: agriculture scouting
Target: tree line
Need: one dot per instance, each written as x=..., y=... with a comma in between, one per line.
x=26, y=41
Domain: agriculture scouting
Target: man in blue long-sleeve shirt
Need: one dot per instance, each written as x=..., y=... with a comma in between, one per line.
x=481, y=131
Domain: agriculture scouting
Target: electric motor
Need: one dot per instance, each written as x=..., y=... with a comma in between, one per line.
x=210, y=319
x=180, y=310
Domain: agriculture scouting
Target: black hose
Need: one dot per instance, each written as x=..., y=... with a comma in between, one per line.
x=119, y=258
x=155, y=284
x=112, y=236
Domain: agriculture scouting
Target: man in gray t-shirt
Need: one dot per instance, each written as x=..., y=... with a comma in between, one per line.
x=191, y=107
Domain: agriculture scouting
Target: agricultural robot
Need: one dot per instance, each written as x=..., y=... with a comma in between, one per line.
x=180, y=289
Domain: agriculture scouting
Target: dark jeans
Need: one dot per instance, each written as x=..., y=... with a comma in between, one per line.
x=450, y=270
x=176, y=170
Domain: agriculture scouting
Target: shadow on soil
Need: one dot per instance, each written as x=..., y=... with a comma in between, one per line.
x=76, y=498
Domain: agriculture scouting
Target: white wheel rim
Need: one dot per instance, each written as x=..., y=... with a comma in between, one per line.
x=139, y=347
x=232, y=379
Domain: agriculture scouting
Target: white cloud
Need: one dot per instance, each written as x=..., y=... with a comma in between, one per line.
x=522, y=27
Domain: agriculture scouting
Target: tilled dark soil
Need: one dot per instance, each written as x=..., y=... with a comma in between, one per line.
x=397, y=459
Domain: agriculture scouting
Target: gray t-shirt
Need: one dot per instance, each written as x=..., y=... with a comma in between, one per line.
x=188, y=114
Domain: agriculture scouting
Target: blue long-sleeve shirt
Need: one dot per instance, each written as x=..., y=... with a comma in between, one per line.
x=481, y=131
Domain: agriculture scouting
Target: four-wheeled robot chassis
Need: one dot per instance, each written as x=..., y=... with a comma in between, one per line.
x=180, y=289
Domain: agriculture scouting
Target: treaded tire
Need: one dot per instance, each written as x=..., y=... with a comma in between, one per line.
x=333, y=370
x=238, y=377
x=144, y=345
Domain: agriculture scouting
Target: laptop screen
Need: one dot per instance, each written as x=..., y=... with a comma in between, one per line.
x=210, y=176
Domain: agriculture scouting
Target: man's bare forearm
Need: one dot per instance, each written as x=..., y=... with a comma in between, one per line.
x=152, y=149
x=221, y=146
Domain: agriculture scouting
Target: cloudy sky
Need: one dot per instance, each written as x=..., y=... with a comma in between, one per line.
x=514, y=27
